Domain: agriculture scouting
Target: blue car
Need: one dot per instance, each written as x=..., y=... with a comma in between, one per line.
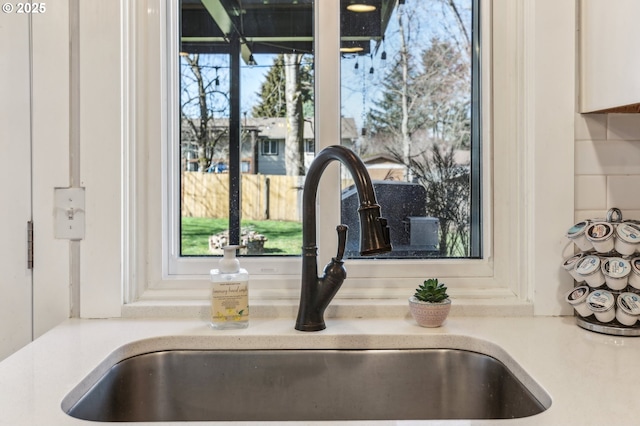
x=217, y=168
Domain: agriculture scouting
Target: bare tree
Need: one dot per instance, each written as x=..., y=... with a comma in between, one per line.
x=423, y=116
x=447, y=184
x=201, y=100
x=404, y=95
x=294, y=142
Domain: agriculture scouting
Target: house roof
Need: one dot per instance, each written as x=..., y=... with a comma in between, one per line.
x=276, y=127
x=460, y=157
x=381, y=159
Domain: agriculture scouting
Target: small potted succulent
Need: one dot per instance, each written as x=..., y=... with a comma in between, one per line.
x=430, y=304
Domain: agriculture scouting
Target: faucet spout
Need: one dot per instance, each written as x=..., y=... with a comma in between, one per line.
x=317, y=292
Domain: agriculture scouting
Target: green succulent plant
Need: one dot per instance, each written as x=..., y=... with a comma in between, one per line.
x=431, y=291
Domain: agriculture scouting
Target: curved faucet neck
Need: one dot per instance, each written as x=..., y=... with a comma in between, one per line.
x=359, y=174
x=317, y=292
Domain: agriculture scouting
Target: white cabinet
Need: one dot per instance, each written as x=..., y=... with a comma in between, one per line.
x=609, y=56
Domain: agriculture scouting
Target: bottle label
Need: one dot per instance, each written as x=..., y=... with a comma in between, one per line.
x=230, y=302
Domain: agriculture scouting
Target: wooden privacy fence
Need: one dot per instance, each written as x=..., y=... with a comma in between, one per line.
x=272, y=197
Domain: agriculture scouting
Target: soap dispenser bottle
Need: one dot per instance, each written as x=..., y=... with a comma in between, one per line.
x=229, y=293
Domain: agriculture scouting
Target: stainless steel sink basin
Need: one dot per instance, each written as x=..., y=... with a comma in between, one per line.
x=306, y=385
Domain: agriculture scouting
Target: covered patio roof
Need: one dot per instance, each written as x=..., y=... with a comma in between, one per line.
x=274, y=26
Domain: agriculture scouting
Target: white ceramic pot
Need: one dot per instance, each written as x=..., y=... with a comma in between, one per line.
x=578, y=299
x=429, y=314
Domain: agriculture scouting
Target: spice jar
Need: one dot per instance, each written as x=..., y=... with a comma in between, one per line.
x=627, y=238
x=628, y=308
x=578, y=299
x=634, y=275
x=601, y=303
x=616, y=272
x=601, y=236
x=577, y=234
x=588, y=268
x=570, y=264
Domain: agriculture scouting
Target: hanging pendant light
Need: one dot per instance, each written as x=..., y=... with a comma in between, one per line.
x=360, y=7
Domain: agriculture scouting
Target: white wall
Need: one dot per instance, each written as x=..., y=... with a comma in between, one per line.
x=550, y=76
x=51, y=159
x=101, y=157
x=607, y=165
x=542, y=117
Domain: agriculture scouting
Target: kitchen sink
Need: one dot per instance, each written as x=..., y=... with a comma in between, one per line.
x=305, y=385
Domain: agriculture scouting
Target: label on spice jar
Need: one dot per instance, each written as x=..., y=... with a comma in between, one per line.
x=599, y=230
x=588, y=265
x=616, y=267
x=629, y=232
x=600, y=301
x=569, y=263
x=577, y=294
x=577, y=229
x=630, y=303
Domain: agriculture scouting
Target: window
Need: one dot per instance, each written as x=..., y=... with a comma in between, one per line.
x=269, y=147
x=246, y=97
x=406, y=109
x=277, y=274
x=413, y=94
x=309, y=146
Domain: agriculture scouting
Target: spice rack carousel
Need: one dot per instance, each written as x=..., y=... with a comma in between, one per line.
x=606, y=270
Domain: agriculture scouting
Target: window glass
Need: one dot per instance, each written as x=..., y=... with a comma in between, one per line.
x=407, y=96
x=409, y=108
x=246, y=112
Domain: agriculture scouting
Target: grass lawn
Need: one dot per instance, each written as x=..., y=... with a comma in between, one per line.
x=283, y=238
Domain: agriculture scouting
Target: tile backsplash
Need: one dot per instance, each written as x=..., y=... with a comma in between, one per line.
x=607, y=165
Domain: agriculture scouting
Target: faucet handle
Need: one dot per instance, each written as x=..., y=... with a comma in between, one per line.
x=342, y=241
x=385, y=230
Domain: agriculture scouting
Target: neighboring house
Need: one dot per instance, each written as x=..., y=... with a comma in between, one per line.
x=262, y=144
x=385, y=167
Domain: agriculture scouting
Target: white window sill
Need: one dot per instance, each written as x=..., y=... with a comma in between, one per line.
x=496, y=304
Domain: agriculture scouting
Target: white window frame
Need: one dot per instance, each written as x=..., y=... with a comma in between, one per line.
x=273, y=147
x=151, y=268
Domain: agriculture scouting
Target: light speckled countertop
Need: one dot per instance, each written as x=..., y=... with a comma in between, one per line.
x=591, y=379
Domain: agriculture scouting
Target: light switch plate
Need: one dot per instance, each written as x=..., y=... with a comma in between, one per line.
x=69, y=213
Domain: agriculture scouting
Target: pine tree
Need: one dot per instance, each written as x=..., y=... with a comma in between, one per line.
x=272, y=90
x=273, y=103
x=288, y=87
x=438, y=99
